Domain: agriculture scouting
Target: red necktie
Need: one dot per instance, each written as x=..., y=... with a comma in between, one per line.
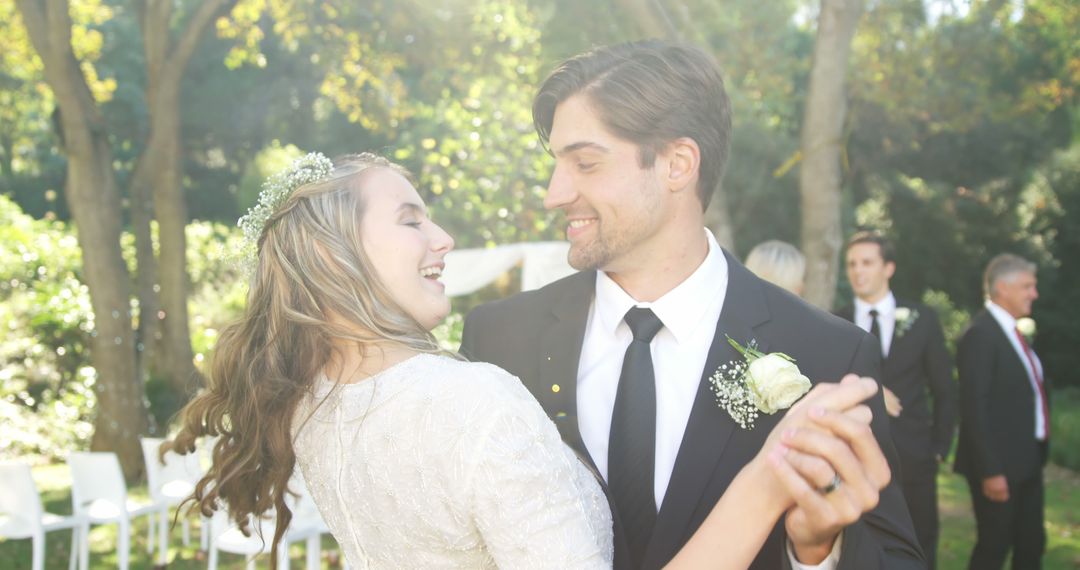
x=1038, y=383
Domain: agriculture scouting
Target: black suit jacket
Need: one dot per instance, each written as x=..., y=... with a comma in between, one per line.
x=917, y=360
x=997, y=406
x=538, y=335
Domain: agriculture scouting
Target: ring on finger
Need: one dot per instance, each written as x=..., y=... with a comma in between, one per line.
x=832, y=485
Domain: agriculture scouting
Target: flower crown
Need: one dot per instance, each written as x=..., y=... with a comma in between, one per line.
x=308, y=169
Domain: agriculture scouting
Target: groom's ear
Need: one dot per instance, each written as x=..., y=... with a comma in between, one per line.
x=682, y=158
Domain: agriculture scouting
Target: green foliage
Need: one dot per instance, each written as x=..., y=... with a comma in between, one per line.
x=1065, y=427
x=1055, y=193
x=954, y=321
x=967, y=99
x=45, y=382
x=448, y=333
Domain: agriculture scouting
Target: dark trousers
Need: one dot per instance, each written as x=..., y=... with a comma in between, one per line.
x=1016, y=524
x=920, y=492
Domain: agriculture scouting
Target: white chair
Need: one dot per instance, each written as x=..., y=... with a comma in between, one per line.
x=170, y=482
x=22, y=516
x=306, y=525
x=99, y=493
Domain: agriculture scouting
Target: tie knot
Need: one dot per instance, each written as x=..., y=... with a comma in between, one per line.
x=644, y=324
x=874, y=313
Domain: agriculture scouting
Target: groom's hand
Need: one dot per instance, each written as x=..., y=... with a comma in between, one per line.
x=839, y=444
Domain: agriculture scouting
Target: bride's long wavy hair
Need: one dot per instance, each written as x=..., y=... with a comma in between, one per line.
x=313, y=291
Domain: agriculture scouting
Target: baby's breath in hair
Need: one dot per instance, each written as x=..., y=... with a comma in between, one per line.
x=310, y=168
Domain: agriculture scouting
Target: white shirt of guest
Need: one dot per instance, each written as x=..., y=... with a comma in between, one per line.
x=886, y=318
x=1008, y=324
x=689, y=312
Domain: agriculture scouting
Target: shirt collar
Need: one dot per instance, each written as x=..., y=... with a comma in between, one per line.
x=1007, y=321
x=885, y=307
x=680, y=308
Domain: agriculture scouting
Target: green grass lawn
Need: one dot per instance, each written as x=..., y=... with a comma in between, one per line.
x=1062, y=517
x=957, y=536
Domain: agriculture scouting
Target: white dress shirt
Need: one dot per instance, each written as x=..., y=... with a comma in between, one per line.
x=689, y=313
x=886, y=318
x=1008, y=324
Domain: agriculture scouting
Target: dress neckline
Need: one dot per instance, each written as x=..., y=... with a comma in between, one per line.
x=323, y=383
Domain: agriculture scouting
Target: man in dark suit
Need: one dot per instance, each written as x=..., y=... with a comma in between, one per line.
x=916, y=372
x=1004, y=421
x=640, y=134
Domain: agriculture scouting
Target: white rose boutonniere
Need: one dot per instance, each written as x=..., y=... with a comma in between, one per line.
x=760, y=383
x=905, y=317
x=1026, y=326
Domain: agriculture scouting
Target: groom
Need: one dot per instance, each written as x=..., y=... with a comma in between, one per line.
x=640, y=134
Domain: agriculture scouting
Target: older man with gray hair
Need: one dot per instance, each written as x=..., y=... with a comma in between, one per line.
x=1004, y=420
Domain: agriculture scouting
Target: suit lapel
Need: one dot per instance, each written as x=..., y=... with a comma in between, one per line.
x=709, y=428
x=560, y=353
x=847, y=313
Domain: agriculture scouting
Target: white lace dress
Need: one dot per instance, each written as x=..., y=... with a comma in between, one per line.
x=436, y=463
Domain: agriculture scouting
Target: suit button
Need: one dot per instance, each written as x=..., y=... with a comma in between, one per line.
x=555, y=388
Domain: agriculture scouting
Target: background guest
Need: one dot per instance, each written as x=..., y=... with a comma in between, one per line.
x=920, y=395
x=778, y=262
x=1004, y=421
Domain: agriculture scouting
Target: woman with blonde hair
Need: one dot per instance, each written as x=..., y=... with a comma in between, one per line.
x=415, y=457
x=779, y=263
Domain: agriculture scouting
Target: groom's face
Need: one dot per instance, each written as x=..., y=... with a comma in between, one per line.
x=613, y=206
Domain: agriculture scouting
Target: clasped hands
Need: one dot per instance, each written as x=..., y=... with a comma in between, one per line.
x=825, y=464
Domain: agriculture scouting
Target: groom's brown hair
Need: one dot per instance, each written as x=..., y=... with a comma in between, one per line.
x=650, y=93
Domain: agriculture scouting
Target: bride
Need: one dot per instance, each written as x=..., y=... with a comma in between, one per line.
x=415, y=457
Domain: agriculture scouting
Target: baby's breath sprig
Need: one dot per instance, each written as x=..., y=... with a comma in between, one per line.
x=310, y=168
x=733, y=395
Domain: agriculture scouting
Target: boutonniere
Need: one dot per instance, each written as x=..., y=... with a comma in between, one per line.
x=1026, y=326
x=905, y=317
x=758, y=382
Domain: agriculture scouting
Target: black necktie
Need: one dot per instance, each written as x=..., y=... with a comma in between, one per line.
x=874, y=328
x=632, y=442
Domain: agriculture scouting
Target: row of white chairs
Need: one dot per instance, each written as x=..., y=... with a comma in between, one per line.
x=99, y=496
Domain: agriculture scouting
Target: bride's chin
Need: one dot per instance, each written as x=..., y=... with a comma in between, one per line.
x=438, y=318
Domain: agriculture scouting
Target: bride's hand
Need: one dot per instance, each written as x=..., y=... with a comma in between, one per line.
x=816, y=467
x=830, y=464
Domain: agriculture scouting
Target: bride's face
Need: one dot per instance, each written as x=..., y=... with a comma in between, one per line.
x=405, y=247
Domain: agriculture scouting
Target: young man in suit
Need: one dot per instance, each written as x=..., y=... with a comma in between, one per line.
x=1004, y=421
x=640, y=134
x=916, y=376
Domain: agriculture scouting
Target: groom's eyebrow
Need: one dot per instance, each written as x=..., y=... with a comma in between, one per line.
x=580, y=146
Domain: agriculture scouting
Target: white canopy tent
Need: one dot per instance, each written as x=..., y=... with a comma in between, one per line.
x=468, y=270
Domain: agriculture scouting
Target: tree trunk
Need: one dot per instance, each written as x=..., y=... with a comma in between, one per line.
x=7, y=147
x=94, y=199
x=149, y=334
x=163, y=150
x=158, y=174
x=822, y=129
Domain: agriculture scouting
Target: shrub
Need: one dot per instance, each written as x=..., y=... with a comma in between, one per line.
x=1065, y=428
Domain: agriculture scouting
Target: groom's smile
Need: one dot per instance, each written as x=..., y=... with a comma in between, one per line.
x=579, y=226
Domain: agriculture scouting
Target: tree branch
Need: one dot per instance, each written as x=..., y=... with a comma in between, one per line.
x=189, y=38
